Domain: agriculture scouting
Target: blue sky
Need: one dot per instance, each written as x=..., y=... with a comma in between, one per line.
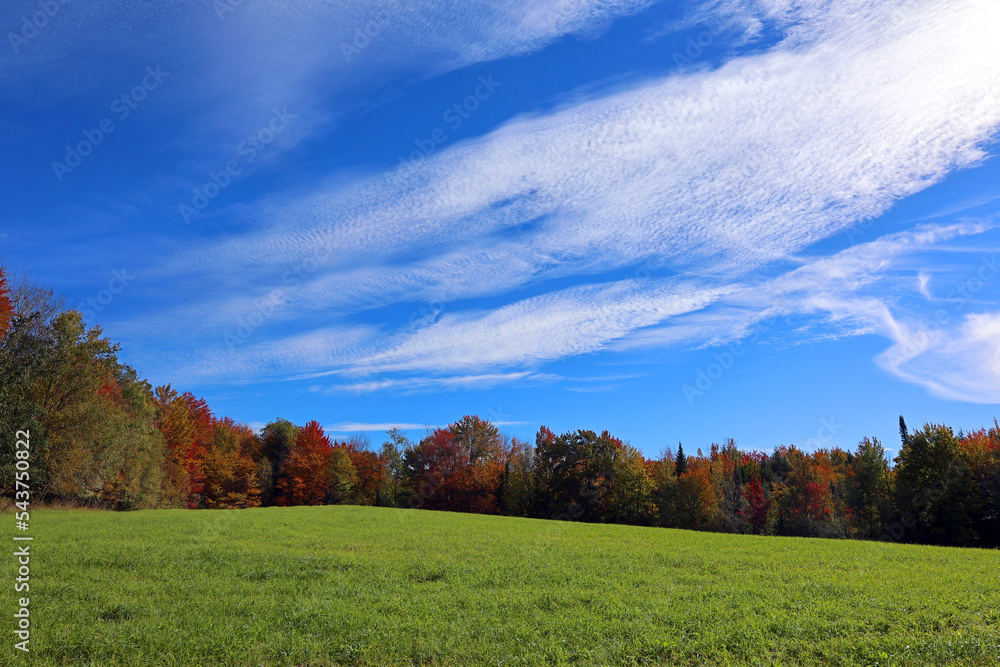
x=768, y=220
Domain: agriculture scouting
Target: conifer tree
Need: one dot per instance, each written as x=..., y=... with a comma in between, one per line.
x=681, y=464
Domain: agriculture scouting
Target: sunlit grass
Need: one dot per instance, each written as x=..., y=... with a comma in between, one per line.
x=371, y=586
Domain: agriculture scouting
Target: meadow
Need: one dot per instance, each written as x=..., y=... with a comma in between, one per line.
x=350, y=585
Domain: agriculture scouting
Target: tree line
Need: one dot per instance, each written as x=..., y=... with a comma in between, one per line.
x=103, y=436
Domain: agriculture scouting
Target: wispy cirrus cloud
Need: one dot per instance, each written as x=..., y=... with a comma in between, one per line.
x=300, y=55
x=544, y=328
x=723, y=176
x=871, y=288
x=422, y=384
x=961, y=363
x=646, y=170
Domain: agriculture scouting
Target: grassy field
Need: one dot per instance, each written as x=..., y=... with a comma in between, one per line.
x=371, y=586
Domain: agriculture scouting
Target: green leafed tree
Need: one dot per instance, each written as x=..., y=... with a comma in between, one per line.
x=868, y=489
x=934, y=489
x=277, y=439
x=392, y=458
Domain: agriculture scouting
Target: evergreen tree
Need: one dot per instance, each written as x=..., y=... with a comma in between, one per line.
x=681, y=463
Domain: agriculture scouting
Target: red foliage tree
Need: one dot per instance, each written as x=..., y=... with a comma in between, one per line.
x=111, y=391
x=307, y=478
x=461, y=468
x=203, y=430
x=433, y=463
x=371, y=475
x=758, y=504
x=6, y=308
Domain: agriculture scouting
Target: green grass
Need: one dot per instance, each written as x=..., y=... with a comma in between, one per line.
x=371, y=586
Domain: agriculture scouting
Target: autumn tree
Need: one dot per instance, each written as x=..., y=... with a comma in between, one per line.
x=803, y=503
x=566, y=490
x=369, y=472
x=459, y=469
x=981, y=452
x=25, y=350
x=75, y=415
x=131, y=451
x=630, y=493
x=343, y=477
x=576, y=472
x=6, y=308
x=483, y=454
x=230, y=470
x=307, y=476
x=756, y=506
x=519, y=492
x=202, y=423
x=277, y=439
x=392, y=459
x=664, y=494
x=727, y=472
x=88, y=413
x=696, y=505
x=177, y=432
x=430, y=465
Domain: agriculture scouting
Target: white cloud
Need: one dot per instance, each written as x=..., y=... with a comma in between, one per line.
x=864, y=290
x=251, y=359
x=720, y=171
x=718, y=174
x=409, y=385
x=960, y=363
x=235, y=66
x=571, y=322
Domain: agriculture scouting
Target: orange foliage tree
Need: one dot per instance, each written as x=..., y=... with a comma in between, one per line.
x=178, y=433
x=307, y=477
x=230, y=470
x=203, y=431
x=370, y=475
